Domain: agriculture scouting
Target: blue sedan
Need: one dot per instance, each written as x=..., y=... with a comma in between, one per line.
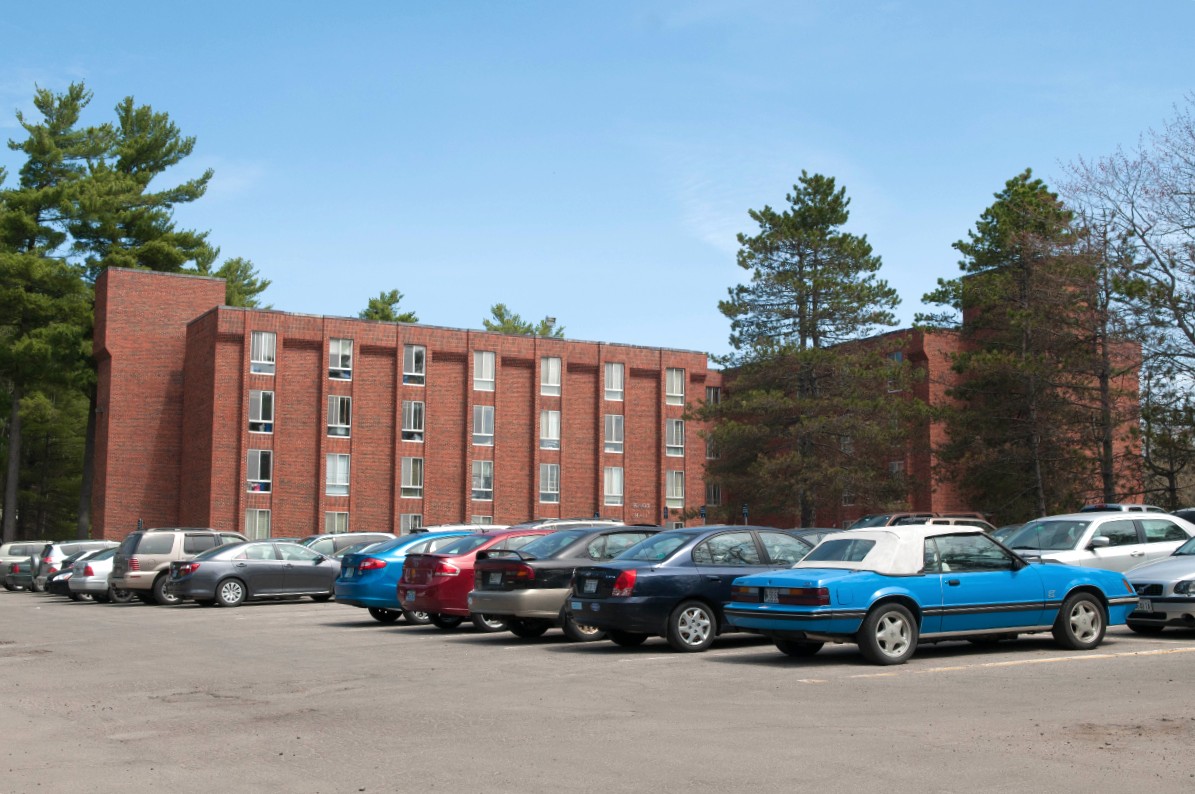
x=674, y=584
x=886, y=590
x=369, y=578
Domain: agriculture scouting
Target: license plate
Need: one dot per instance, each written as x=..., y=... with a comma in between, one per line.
x=771, y=595
x=410, y=595
x=1145, y=605
x=496, y=577
x=590, y=586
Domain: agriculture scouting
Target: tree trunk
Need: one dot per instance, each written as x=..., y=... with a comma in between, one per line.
x=83, y=528
x=9, y=532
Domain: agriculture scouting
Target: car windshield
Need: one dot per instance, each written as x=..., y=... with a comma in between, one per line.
x=548, y=545
x=1052, y=535
x=1187, y=548
x=841, y=550
x=657, y=548
x=871, y=521
x=465, y=545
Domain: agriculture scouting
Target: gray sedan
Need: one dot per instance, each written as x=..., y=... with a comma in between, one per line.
x=1167, y=592
x=229, y=575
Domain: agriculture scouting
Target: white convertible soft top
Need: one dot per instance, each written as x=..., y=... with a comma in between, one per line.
x=898, y=550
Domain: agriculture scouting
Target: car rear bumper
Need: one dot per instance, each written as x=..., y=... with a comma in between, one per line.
x=542, y=603
x=421, y=599
x=637, y=615
x=135, y=580
x=89, y=584
x=358, y=595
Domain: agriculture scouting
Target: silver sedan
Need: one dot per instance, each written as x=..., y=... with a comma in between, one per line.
x=230, y=575
x=1167, y=592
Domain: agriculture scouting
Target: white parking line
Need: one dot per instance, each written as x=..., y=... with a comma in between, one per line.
x=1024, y=662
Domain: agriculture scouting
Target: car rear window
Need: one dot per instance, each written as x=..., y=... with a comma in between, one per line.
x=656, y=548
x=548, y=545
x=841, y=550
x=155, y=543
x=24, y=549
x=465, y=544
x=193, y=544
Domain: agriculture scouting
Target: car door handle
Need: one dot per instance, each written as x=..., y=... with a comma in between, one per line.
x=712, y=578
x=1136, y=554
x=241, y=565
x=953, y=582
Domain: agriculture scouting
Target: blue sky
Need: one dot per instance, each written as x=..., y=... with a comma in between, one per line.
x=594, y=162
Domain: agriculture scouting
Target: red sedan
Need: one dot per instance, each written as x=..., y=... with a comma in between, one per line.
x=439, y=584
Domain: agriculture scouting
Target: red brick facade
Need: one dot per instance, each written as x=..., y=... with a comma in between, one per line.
x=174, y=442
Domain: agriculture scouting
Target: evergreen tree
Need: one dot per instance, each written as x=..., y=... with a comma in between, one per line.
x=504, y=321
x=385, y=308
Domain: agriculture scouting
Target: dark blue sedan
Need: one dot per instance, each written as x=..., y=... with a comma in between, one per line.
x=673, y=584
x=369, y=578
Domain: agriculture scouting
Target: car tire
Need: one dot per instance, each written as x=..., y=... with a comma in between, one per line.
x=11, y=587
x=37, y=588
x=578, y=632
x=626, y=639
x=321, y=598
x=487, y=623
x=888, y=635
x=692, y=627
x=100, y=598
x=80, y=596
x=118, y=596
x=1081, y=622
x=1145, y=628
x=444, y=621
x=163, y=592
x=384, y=615
x=416, y=618
x=205, y=602
x=798, y=648
x=528, y=629
x=230, y=592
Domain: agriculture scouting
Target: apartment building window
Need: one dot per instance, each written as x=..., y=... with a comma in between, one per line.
x=261, y=411
x=261, y=352
x=483, y=370
x=261, y=470
x=614, y=373
x=614, y=436
x=257, y=524
x=483, y=480
x=483, y=425
x=409, y=522
x=549, y=372
x=713, y=494
x=335, y=523
x=340, y=359
x=412, y=420
x=549, y=483
x=713, y=395
x=412, y=478
x=612, y=487
x=896, y=468
x=674, y=437
x=895, y=361
x=674, y=386
x=674, y=493
x=848, y=498
x=711, y=449
x=549, y=430
x=340, y=415
x=481, y=521
x=338, y=475
x=414, y=361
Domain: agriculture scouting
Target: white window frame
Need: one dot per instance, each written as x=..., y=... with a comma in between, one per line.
x=336, y=522
x=549, y=429
x=549, y=373
x=260, y=483
x=413, y=420
x=713, y=395
x=711, y=449
x=261, y=411
x=674, y=386
x=615, y=433
x=340, y=358
x=483, y=425
x=549, y=483
x=674, y=438
x=263, y=352
x=414, y=365
x=338, y=468
x=674, y=490
x=481, y=521
x=613, y=484
x=485, y=364
x=412, y=478
x=615, y=381
x=713, y=494
x=483, y=481
x=409, y=522
x=255, y=517
x=340, y=415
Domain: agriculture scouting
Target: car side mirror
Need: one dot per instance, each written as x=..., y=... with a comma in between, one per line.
x=1099, y=542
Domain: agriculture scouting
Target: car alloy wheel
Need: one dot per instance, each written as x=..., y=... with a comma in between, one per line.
x=888, y=634
x=578, y=632
x=416, y=618
x=488, y=623
x=1080, y=624
x=692, y=626
x=119, y=596
x=230, y=593
x=163, y=592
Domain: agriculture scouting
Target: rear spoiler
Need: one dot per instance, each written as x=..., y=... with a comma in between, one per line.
x=485, y=555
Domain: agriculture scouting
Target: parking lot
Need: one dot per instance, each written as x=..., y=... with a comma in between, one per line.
x=306, y=697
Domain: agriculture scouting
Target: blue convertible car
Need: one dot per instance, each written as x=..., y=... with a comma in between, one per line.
x=888, y=589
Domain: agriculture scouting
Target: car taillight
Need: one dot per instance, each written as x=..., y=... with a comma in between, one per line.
x=87, y=571
x=188, y=568
x=370, y=563
x=625, y=583
x=15, y=567
x=134, y=564
x=803, y=596
x=518, y=572
x=744, y=595
x=445, y=569
x=53, y=569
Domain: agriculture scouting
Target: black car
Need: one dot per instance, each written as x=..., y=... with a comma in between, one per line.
x=674, y=584
x=237, y=572
x=527, y=588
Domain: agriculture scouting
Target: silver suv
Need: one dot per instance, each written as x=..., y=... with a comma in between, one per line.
x=142, y=563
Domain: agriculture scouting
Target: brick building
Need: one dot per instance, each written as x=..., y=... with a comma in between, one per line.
x=268, y=422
